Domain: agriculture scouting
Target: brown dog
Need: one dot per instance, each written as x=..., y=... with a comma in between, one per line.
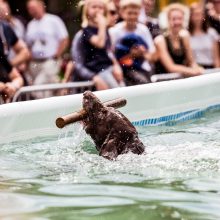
x=111, y=131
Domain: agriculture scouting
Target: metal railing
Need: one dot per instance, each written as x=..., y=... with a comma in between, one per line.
x=165, y=77
x=172, y=76
x=26, y=92
x=213, y=70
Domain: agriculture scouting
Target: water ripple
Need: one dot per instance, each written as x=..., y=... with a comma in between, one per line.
x=177, y=177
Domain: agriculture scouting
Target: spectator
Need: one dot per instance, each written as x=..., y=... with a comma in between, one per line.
x=130, y=10
x=81, y=72
x=47, y=38
x=96, y=45
x=76, y=69
x=112, y=13
x=15, y=23
x=205, y=53
x=117, y=5
x=173, y=47
x=19, y=29
x=127, y=52
x=10, y=42
x=213, y=14
x=10, y=79
x=152, y=23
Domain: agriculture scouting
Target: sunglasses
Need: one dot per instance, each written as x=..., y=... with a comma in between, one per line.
x=112, y=12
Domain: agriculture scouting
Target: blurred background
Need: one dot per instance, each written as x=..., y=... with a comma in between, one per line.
x=69, y=12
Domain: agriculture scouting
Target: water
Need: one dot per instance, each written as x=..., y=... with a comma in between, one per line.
x=64, y=178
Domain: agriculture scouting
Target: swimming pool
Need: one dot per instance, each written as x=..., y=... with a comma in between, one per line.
x=47, y=173
x=152, y=104
x=64, y=178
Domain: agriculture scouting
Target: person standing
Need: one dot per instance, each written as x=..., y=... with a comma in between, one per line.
x=47, y=38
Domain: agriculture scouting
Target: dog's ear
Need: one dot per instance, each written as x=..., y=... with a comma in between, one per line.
x=91, y=102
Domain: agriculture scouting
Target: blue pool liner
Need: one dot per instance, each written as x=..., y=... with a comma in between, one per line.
x=173, y=119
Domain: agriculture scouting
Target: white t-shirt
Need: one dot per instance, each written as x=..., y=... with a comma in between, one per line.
x=119, y=31
x=202, y=47
x=43, y=36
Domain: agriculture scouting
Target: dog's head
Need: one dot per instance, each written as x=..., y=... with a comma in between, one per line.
x=91, y=103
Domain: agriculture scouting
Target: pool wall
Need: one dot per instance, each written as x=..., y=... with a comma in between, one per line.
x=151, y=104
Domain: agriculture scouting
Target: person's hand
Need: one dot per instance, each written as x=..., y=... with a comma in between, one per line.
x=9, y=90
x=101, y=20
x=196, y=71
x=201, y=70
x=138, y=51
x=100, y=84
x=118, y=73
x=2, y=86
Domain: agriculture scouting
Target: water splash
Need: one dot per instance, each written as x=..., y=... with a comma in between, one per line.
x=177, y=177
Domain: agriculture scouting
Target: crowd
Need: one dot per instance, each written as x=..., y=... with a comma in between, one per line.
x=119, y=44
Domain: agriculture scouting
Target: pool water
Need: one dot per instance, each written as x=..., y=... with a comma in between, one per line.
x=64, y=178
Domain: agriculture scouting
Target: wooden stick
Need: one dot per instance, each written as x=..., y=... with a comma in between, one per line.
x=61, y=122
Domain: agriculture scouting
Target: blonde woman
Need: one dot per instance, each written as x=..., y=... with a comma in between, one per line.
x=96, y=45
x=173, y=47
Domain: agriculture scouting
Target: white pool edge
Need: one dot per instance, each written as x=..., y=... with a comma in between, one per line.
x=150, y=104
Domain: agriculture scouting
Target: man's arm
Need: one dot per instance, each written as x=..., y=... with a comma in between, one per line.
x=16, y=82
x=16, y=79
x=62, y=47
x=62, y=36
x=22, y=53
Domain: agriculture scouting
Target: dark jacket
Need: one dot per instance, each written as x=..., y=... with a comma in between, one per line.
x=77, y=52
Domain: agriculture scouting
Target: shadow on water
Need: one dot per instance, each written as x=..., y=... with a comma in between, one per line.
x=64, y=178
